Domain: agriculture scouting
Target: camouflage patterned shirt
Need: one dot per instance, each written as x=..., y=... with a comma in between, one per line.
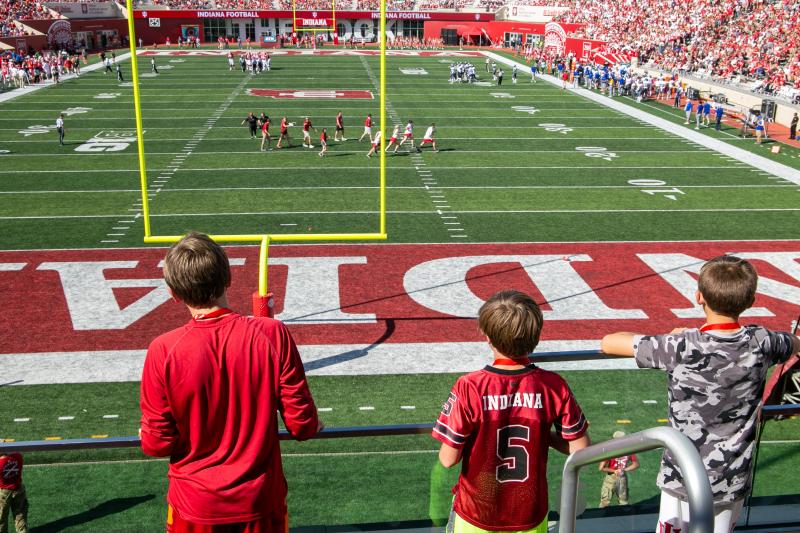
x=715, y=383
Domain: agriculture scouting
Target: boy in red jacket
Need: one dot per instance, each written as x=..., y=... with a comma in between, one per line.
x=211, y=392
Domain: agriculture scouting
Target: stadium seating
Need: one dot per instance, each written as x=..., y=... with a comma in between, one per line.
x=727, y=41
x=19, y=10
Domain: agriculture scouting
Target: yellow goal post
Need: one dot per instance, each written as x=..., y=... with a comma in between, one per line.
x=262, y=298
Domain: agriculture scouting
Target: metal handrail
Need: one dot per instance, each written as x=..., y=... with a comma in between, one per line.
x=135, y=442
x=698, y=488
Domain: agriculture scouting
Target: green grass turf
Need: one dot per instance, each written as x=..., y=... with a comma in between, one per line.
x=359, y=480
x=503, y=175
x=506, y=178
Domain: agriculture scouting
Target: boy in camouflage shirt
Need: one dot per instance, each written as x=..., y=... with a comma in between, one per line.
x=716, y=377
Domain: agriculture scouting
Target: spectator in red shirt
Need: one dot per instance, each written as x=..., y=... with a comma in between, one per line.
x=12, y=493
x=211, y=392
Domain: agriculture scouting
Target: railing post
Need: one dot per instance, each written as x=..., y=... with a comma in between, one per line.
x=701, y=505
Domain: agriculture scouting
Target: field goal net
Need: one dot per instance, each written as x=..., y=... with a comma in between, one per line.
x=314, y=16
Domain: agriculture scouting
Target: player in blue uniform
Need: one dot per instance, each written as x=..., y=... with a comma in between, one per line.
x=688, y=108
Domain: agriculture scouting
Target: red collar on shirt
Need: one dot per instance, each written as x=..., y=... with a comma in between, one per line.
x=504, y=361
x=724, y=325
x=217, y=313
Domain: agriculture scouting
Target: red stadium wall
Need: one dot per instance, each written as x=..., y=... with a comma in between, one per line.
x=495, y=29
x=51, y=28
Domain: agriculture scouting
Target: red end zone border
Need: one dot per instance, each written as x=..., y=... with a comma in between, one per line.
x=84, y=300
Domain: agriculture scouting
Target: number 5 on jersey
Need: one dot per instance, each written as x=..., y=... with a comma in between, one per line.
x=511, y=441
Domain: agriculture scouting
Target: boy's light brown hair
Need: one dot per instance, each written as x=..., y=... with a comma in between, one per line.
x=512, y=321
x=728, y=285
x=197, y=270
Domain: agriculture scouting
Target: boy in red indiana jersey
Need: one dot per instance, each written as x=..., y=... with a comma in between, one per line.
x=211, y=393
x=12, y=493
x=500, y=421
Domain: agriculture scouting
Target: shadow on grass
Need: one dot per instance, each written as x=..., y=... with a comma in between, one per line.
x=116, y=505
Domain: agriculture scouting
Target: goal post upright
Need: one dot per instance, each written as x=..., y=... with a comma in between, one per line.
x=137, y=106
x=262, y=298
x=382, y=127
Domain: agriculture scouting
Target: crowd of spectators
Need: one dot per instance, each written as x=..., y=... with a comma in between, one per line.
x=21, y=70
x=13, y=10
x=726, y=40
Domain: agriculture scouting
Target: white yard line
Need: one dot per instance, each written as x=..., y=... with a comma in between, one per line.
x=425, y=175
x=188, y=151
x=179, y=160
x=417, y=212
x=749, y=158
x=392, y=358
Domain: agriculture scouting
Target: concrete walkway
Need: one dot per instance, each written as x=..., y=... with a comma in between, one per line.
x=739, y=154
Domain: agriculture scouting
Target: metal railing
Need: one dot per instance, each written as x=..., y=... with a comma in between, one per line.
x=698, y=488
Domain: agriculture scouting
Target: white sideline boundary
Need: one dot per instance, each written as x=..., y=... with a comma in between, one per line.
x=16, y=93
x=749, y=158
x=320, y=360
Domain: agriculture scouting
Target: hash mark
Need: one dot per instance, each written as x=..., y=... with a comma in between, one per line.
x=66, y=418
x=366, y=408
x=610, y=402
x=408, y=407
x=110, y=416
x=649, y=401
x=22, y=420
x=325, y=409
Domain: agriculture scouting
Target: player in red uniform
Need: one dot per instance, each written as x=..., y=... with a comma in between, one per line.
x=284, y=134
x=323, y=141
x=265, y=136
x=307, y=127
x=12, y=492
x=338, y=135
x=499, y=421
x=393, y=138
x=376, y=144
x=210, y=397
x=408, y=135
x=367, y=128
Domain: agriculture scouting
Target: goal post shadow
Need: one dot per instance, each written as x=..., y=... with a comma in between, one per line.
x=262, y=297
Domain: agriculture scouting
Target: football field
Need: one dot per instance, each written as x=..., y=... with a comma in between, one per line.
x=604, y=217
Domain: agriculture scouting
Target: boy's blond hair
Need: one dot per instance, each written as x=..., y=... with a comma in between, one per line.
x=728, y=285
x=512, y=321
x=197, y=270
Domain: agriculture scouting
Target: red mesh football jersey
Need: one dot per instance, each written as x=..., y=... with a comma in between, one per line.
x=501, y=419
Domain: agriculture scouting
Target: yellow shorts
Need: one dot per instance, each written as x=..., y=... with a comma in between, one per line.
x=459, y=525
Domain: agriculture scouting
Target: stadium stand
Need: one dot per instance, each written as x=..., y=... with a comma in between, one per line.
x=19, y=10
x=754, y=44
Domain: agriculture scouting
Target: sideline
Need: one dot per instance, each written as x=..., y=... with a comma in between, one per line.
x=16, y=93
x=749, y=158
